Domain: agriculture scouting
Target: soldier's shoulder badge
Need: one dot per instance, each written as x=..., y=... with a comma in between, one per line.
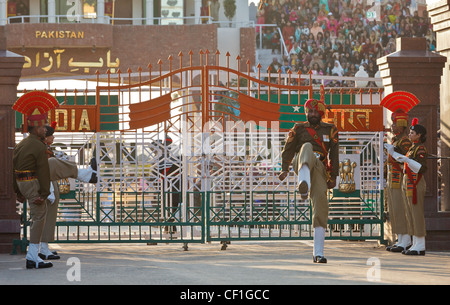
x=421, y=152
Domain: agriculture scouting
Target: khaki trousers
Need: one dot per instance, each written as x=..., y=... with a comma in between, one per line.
x=415, y=212
x=62, y=169
x=48, y=234
x=397, y=209
x=318, y=187
x=38, y=212
x=59, y=169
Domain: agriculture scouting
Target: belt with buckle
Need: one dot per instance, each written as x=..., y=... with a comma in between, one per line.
x=25, y=175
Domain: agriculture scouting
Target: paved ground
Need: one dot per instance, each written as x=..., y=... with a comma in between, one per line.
x=242, y=263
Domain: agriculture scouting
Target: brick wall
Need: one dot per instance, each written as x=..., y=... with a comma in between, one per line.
x=133, y=46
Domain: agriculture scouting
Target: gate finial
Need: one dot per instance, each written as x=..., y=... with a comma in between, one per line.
x=180, y=55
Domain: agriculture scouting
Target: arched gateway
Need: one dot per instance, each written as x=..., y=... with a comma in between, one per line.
x=193, y=154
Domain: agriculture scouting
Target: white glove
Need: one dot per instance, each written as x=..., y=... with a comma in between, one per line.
x=389, y=148
x=401, y=158
x=51, y=197
x=413, y=165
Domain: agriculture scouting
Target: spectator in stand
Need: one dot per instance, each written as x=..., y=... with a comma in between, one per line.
x=293, y=61
x=286, y=66
x=267, y=38
x=298, y=32
x=317, y=61
x=307, y=59
x=288, y=30
x=275, y=65
x=332, y=25
x=295, y=48
x=372, y=67
x=366, y=48
x=316, y=29
x=337, y=69
x=322, y=18
x=316, y=70
x=275, y=42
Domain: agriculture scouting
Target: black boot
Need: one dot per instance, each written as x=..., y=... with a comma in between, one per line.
x=32, y=264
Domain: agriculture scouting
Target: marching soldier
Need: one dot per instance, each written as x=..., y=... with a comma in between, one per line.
x=33, y=171
x=396, y=204
x=313, y=147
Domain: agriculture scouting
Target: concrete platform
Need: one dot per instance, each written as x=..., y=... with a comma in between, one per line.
x=242, y=263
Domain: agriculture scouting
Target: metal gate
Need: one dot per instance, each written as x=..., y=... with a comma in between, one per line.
x=193, y=156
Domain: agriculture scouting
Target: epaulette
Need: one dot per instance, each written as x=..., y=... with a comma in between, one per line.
x=421, y=152
x=324, y=124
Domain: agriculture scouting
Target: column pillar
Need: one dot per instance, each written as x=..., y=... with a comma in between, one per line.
x=51, y=11
x=101, y=11
x=197, y=11
x=149, y=14
x=10, y=71
x=3, y=12
x=414, y=69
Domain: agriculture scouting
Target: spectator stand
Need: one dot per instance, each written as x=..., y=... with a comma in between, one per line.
x=337, y=38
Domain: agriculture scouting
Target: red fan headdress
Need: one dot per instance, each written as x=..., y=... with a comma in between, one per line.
x=400, y=103
x=35, y=105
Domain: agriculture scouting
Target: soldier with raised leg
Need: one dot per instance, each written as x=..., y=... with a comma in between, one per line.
x=313, y=148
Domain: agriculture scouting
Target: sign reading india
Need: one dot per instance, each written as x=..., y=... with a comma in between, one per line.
x=355, y=117
x=69, y=118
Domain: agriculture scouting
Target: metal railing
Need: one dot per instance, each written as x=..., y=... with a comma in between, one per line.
x=259, y=38
x=110, y=20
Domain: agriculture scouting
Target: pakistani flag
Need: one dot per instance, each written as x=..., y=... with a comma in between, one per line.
x=293, y=111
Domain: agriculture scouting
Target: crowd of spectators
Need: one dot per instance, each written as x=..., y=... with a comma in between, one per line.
x=336, y=37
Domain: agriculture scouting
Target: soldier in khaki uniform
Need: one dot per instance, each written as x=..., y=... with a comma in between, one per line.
x=32, y=182
x=313, y=148
x=34, y=171
x=414, y=186
x=396, y=205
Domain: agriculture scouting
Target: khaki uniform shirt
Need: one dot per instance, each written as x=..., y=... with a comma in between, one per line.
x=419, y=153
x=299, y=135
x=401, y=145
x=30, y=155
